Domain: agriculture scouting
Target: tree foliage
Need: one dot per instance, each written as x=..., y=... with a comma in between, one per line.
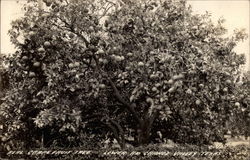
x=136, y=71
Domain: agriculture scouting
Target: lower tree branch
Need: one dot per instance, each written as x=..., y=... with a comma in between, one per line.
x=118, y=96
x=121, y=132
x=130, y=107
x=113, y=129
x=153, y=116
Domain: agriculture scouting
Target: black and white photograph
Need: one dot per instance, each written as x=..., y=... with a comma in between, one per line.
x=124, y=80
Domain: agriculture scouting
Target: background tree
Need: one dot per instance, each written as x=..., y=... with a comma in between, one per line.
x=127, y=69
x=3, y=76
x=3, y=88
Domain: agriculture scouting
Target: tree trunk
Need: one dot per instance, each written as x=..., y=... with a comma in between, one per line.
x=144, y=128
x=143, y=136
x=144, y=132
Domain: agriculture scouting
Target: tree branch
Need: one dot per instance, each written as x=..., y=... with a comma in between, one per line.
x=113, y=129
x=153, y=116
x=118, y=96
x=92, y=117
x=130, y=107
x=106, y=10
x=69, y=28
x=122, y=140
x=67, y=2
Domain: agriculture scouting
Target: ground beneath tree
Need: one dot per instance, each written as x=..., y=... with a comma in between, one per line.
x=238, y=141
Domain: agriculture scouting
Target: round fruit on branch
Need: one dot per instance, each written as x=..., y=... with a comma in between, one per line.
x=140, y=64
x=36, y=64
x=41, y=50
x=47, y=44
x=32, y=74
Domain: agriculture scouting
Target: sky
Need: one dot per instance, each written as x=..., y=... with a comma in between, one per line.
x=236, y=13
